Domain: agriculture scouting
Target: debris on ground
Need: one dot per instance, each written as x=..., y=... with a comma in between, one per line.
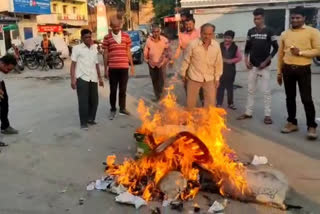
x=156, y=211
x=165, y=203
x=268, y=186
x=196, y=208
x=173, y=184
x=81, y=201
x=63, y=191
x=176, y=205
x=128, y=198
x=91, y=186
x=216, y=207
x=259, y=160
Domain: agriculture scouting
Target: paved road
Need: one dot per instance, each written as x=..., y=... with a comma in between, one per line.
x=47, y=166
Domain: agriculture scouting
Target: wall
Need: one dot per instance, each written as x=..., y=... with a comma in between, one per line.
x=28, y=23
x=81, y=8
x=5, y=5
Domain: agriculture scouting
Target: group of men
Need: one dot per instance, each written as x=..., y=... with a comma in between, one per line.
x=208, y=68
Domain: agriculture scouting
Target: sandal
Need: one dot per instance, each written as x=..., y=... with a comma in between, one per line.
x=268, y=120
x=2, y=144
x=232, y=107
x=244, y=117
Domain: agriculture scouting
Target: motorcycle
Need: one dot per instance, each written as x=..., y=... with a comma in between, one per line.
x=16, y=52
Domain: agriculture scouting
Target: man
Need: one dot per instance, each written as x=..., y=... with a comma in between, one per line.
x=231, y=55
x=202, y=68
x=298, y=46
x=7, y=64
x=117, y=57
x=258, y=48
x=46, y=44
x=85, y=75
x=156, y=54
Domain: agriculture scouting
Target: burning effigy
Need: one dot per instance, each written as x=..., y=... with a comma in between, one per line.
x=180, y=145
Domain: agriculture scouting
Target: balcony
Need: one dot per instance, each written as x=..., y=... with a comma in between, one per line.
x=72, y=17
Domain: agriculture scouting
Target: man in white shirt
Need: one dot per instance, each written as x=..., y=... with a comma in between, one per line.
x=7, y=64
x=85, y=75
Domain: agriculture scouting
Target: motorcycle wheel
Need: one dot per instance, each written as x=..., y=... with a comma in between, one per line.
x=316, y=60
x=32, y=64
x=58, y=63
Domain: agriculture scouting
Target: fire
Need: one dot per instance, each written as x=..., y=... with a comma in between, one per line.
x=184, y=141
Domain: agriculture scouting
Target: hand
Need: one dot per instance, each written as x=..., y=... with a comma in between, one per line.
x=74, y=83
x=279, y=78
x=263, y=65
x=132, y=72
x=228, y=61
x=217, y=83
x=101, y=83
x=295, y=51
x=249, y=65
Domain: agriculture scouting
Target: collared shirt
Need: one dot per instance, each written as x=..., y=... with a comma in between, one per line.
x=306, y=39
x=186, y=37
x=117, y=37
x=86, y=59
x=156, y=52
x=202, y=64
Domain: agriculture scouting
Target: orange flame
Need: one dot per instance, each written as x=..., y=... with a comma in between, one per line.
x=142, y=177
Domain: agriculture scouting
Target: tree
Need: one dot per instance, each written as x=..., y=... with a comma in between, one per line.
x=163, y=8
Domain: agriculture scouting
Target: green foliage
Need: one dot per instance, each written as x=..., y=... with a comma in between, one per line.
x=163, y=8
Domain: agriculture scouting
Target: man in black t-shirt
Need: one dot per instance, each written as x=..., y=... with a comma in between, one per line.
x=258, y=57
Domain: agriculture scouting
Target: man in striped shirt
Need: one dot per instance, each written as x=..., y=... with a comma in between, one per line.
x=117, y=57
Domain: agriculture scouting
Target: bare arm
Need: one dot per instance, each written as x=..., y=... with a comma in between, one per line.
x=73, y=75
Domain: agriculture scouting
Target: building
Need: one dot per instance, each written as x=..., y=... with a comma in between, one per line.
x=24, y=13
x=67, y=18
x=237, y=14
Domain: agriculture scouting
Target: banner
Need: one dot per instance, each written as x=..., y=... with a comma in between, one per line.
x=32, y=6
x=50, y=28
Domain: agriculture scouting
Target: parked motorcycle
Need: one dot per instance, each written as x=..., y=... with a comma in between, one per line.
x=15, y=51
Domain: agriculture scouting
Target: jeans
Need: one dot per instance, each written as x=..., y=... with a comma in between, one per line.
x=226, y=83
x=118, y=77
x=88, y=100
x=4, y=108
x=301, y=75
x=254, y=74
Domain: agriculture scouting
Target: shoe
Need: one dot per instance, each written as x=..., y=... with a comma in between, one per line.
x=232, y=107
x=112, y=115
x=84, y=127
x=267, y=120
x=92, y=123
x=9, y=130
x=244, y=117
x=124, y=112
x=289, y=127
x=312, y=133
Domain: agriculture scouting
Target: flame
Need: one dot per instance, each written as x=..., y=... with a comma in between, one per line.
x=142, y=176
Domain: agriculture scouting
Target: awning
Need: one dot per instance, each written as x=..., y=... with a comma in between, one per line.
x=220, y=3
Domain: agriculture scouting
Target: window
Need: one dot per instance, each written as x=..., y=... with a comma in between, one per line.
x=74, y=9
x=28, y=33
x=64, y=9
x=54, y=8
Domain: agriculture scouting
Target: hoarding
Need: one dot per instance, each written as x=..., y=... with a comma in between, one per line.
x=50, y=28
x=32, y=6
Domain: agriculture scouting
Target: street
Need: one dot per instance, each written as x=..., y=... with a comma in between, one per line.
x=48, y=165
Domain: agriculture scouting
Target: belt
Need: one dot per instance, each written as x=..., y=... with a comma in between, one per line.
x=296, y=66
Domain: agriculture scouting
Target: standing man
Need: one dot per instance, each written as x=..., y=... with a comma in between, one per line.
x=202, y=68
x=298, y=45
x=117, y=57
x=85, y=75
x=156, y=54
x=231, y=55
x=258, y=59
x=46, y=44
x=7, y=64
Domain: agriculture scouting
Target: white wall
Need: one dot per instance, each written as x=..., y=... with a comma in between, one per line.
x=5, y=5
x=31, y=23
x=239, y=22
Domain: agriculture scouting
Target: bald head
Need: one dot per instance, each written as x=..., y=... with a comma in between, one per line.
x=115, y=24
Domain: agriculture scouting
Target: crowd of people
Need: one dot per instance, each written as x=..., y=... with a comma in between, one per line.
x=208, y=68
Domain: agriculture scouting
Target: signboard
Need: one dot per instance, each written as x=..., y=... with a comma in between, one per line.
x=169, y=19
x=32, y=6
x=50, y=28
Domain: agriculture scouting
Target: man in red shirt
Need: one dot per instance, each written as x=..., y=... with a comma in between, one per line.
x=117, y=57
x=156, y=54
